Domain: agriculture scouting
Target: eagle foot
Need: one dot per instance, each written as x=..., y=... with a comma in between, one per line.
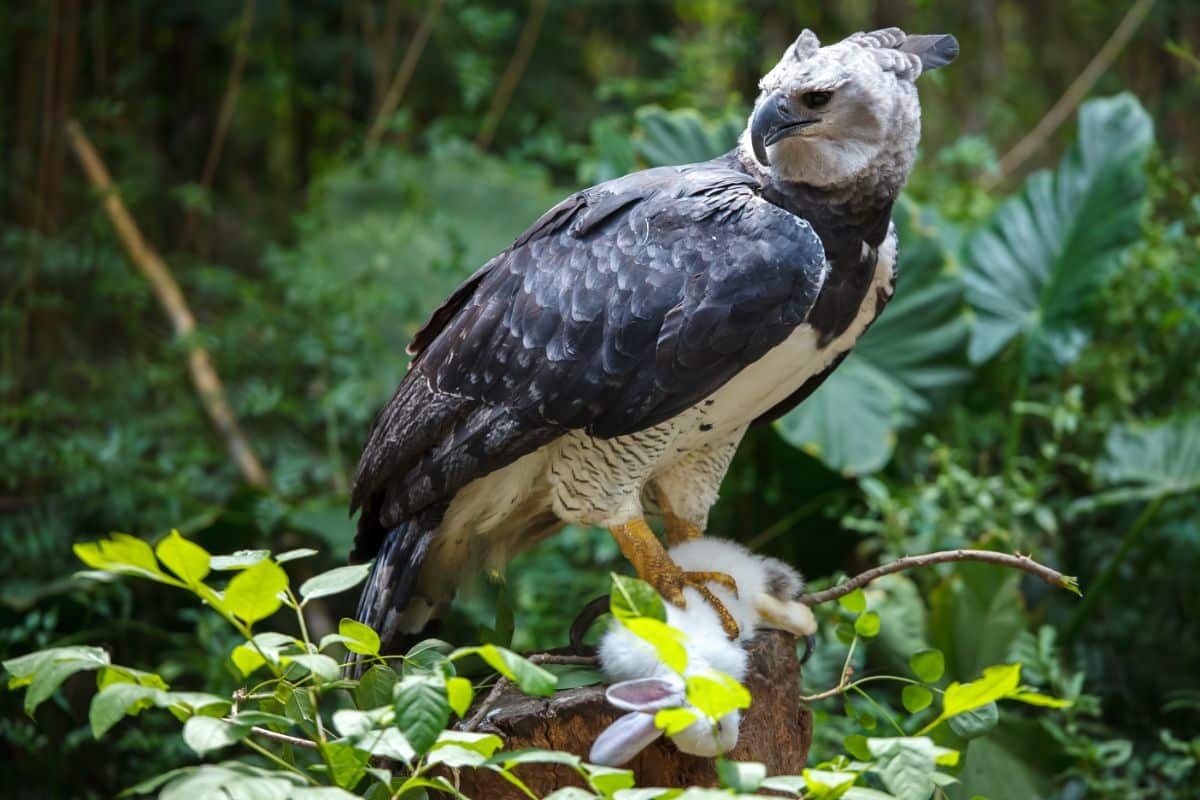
x=671, y=582
x=639, y=544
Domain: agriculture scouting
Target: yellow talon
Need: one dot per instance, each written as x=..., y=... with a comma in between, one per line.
x=639, y=544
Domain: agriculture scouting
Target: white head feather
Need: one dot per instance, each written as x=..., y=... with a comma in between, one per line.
x=868, y=122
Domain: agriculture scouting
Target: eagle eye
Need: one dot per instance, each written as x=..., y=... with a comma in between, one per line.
x=816, y=99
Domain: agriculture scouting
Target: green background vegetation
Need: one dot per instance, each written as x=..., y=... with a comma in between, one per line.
x=1034, y=386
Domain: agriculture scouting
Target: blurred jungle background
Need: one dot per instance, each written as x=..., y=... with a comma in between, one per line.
x=317, y=175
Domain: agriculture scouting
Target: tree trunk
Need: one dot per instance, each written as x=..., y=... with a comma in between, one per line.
x=776, y=730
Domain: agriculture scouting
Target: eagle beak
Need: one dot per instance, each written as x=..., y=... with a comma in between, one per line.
x=773, y=121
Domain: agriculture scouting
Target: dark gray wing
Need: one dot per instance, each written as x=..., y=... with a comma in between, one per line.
x=624, y=305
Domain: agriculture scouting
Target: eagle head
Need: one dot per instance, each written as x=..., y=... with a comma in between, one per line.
x=829, y=116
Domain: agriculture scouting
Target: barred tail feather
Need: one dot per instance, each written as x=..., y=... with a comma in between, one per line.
x=387, y=602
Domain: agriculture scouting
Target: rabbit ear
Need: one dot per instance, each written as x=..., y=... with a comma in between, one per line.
x=647, y=694
x=624, y=739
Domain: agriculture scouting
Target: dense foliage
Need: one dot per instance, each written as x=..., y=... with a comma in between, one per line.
x=1033, y=387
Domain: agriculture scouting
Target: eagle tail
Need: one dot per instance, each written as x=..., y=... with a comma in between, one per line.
x=387, y=602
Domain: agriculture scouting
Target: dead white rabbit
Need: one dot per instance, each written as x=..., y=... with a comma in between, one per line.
x=643, y=685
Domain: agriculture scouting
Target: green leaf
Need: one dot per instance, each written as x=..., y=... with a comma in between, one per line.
x=1034, y=269
x=486, y=744
x=716, y=694
x=455, y=757
x=827, y=784
x=855, y=602
x=608, y=780
x=188, y=560
x=1038, y=699
x=674, y=720
x=124, y=554
x=335, y=581
x=682, y=136
x=531, y=678
x=1146, y=461
x=910, y=356
x=358, y=638
x=928, y=665
x=976, y=722
x=239, y=560
x=867, y=624
x=856, y=745
x=459, y=693
x=631, y=598
x=916, y=698
x=422, y=710
x=997, y=683
x=45, y=670
x=117, y=700
x=253, y=594
x=666, y=641
x=741, y=776
x=571, y=793
x=292, y=555
x=205, y=734
x=376, y=687
x=904, y=769
x=321, y=666
x=347, y=764
x=535, y=755
x=320, y=793
x=246, y=658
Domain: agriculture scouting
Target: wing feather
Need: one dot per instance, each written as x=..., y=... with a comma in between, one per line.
x=622, y=306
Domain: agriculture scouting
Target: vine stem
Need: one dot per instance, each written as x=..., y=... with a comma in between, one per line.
x=258, y=748
x=1136, y=531
x=1023, y=563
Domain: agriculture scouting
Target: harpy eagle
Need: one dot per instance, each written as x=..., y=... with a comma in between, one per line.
x=611, y=359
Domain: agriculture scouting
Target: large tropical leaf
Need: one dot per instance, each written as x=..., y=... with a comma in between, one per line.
x=1147, y=461
x=1032, y=271
x=682, y=136
x=912, y=351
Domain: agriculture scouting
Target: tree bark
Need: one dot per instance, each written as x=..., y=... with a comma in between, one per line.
x=776, y=730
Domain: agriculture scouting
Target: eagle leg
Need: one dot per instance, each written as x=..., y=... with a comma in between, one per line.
x=679, y=530
x=639, y=544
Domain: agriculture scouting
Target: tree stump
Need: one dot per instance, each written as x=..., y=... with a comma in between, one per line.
x=776, y=730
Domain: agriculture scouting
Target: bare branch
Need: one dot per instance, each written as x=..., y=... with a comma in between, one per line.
x=1023, y=563
x=395, y=90
x=170, y=297
x=1076, y=92
x=512, y=74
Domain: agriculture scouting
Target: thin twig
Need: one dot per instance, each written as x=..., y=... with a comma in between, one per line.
x=170, y=297
x=241, y=52
x=283, y=738
x=395, y=90
x=512, y=74
x=1074, y=94
x=1023, y=563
